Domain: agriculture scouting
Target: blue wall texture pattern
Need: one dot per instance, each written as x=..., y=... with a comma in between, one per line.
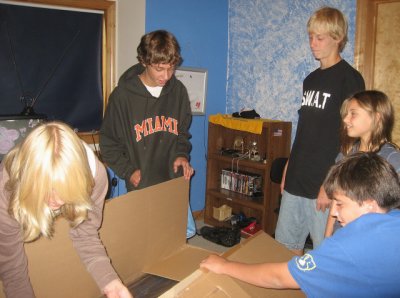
x=269, y=55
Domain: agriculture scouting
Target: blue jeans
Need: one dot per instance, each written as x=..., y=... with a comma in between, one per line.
x=299, y=217
x=191, y=225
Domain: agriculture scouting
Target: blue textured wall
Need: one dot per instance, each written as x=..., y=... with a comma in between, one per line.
x=269, y=55
x=258, y=62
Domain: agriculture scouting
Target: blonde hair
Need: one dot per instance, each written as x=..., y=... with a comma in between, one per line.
x=381, y=111
x=52, y=158
x=331, y=21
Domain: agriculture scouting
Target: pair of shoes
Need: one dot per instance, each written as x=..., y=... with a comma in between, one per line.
x=223, y=236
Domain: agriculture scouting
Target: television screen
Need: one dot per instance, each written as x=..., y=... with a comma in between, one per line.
x=14, y=128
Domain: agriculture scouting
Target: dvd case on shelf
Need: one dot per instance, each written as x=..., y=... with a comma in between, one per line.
x=242, y=182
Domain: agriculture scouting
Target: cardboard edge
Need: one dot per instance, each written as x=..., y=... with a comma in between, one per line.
x=187, y=258
x=203, y=283
x=178, y=288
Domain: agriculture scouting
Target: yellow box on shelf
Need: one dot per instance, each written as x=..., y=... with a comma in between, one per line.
x=222, y=213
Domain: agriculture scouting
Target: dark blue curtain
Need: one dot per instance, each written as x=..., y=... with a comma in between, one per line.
x=52, y=59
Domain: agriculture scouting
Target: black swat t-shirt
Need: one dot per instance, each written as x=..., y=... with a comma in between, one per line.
x=317, y=143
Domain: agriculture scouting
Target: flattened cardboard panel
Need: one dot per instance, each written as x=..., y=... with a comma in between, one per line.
x=145, y=226
x=199, y=285
x=184, y=262
x=249, y=250
x=138, y=228
x=259, y=248
x=55, y=269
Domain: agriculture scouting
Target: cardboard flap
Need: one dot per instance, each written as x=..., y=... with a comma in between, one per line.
x=199, y=285
x=262, y=248
x=55, y=269
x=144, y=227
x=257, y=249
x=180, y=264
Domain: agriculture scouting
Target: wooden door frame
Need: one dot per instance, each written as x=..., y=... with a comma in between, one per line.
x=364, y=47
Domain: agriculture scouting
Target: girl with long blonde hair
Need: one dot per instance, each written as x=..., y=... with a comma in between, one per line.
x=52, y=173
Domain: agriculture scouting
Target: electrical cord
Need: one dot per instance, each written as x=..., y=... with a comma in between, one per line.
x=240, y=157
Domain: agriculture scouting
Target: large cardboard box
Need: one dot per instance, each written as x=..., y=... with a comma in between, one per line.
x=145, y=232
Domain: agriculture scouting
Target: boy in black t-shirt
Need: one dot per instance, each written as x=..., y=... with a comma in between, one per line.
x=304, y=208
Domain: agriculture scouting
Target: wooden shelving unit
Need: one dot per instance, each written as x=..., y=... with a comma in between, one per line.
x=272, y=143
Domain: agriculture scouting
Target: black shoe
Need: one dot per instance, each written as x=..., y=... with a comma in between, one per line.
x=222, y=236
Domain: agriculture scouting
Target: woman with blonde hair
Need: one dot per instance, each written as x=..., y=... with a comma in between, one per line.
x=52, y=173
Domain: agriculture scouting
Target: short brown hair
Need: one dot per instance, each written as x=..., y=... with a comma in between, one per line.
x=362, y=176
x=159, y=47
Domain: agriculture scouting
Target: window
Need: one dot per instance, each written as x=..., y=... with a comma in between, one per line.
x=37, y=81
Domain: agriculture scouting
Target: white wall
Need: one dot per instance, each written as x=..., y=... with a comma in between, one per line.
x=130, y=28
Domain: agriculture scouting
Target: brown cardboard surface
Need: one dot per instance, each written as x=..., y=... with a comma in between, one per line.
x=55, y=269
x=145, y=232
x=199, y=285
x=178, y=265
x=139, y=229
x=143, y=227
x=257, y=249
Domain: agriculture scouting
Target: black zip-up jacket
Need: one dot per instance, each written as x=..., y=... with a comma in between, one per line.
x=143, y=132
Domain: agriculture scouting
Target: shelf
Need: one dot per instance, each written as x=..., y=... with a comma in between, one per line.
x=273, y=142
x=243, y=162
x=237, y=198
